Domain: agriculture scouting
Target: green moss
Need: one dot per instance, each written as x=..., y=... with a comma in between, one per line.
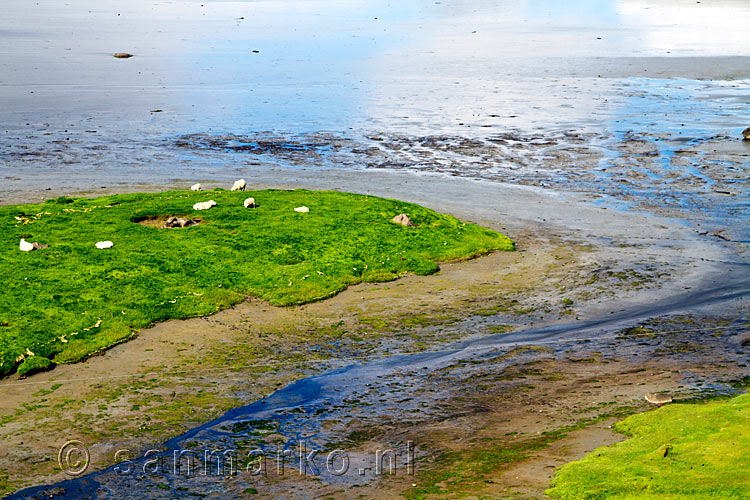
x=71, y=300
x=500, y=328
x=62, y=200
x=45, y=392
x=5, y=485
x=679, y=451
x=34, y=364
x=640, y=331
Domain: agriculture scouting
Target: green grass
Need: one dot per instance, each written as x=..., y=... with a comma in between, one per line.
x=706, y=448
x=70, y=300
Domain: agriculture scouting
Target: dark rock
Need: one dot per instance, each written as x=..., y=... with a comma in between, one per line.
x=179, y=222
x=720, y=236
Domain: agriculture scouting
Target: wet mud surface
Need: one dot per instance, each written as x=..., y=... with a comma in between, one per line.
x=395, y=404
x=669, y=174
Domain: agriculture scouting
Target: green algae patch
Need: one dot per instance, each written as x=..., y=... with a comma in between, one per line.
x=679, y=451
x=71, y=299
x=34, y=364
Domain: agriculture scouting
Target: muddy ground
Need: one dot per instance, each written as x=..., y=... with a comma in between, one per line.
x=567, y=270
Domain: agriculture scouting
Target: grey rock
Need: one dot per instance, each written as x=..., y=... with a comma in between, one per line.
x=658, y=399
x=404, y=220
x=179, y=222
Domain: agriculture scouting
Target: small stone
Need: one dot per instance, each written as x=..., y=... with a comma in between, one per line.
x=404, y=220
x=122, y=55
x=744, y=339
x=658, y=399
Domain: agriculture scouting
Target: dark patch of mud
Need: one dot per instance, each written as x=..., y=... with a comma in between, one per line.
x=162, y=221
x=273, y=147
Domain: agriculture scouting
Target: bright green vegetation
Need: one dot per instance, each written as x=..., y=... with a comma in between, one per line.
x=72, y=299
x=680, y=451
x=34, y=364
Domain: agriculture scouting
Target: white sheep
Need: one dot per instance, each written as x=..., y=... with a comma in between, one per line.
x=302, y=210
x=239, y=185
x=25, y=246
x=204, y=205
x=196, y=187
x=250, y=203
x=104, y=244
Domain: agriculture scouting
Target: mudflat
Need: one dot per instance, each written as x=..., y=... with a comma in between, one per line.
x=606, y=142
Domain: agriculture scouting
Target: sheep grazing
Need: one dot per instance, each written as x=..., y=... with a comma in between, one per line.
x=204, y=205
x=239, y=185
x=104, y=244
x=195, y=187
x=25, y=246
x=250, y=203
x=302, y=210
